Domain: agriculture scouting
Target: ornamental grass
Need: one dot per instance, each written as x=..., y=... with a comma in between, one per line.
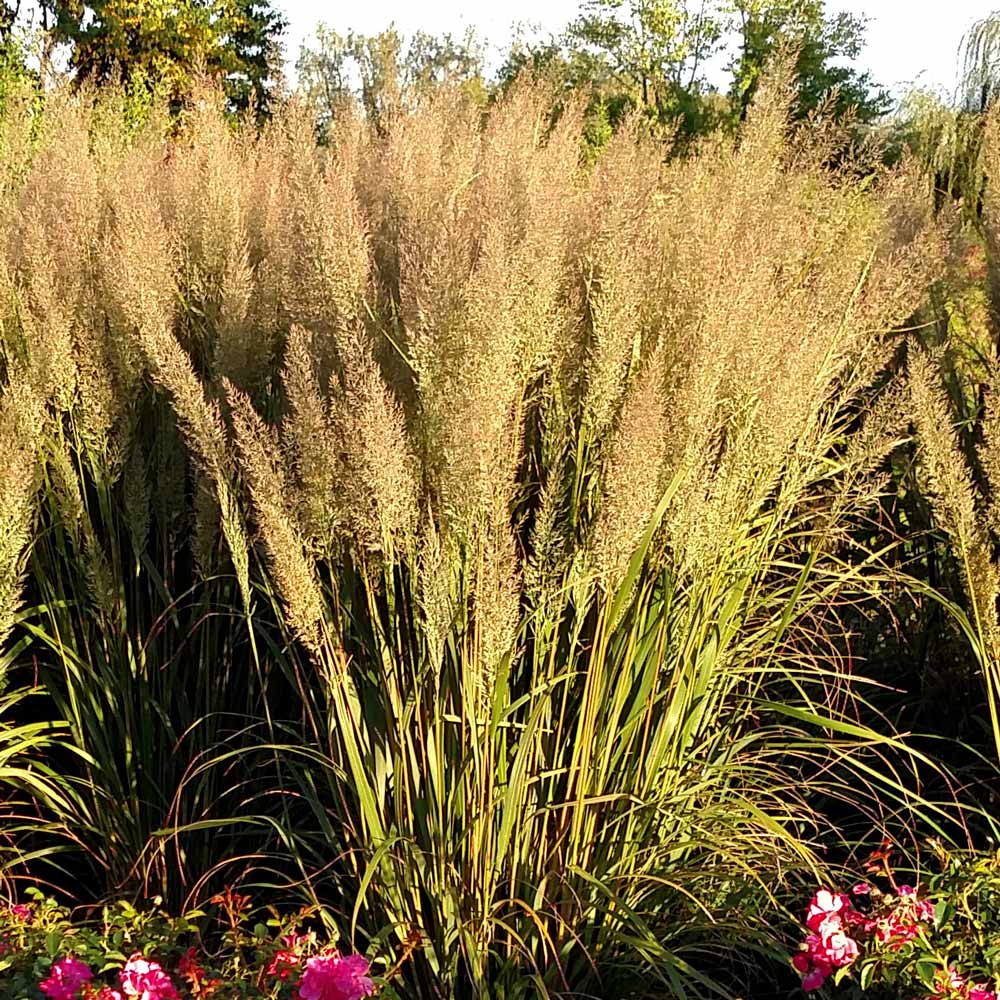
x=447, y=532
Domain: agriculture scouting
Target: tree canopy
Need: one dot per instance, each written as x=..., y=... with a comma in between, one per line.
x=823, y=43
x=165, y=40
x=663, y=57
x=378, y=69
x=688, y=63
x=981, y=63
x=649, y=54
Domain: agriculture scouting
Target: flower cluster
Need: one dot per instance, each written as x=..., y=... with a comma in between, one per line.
x=336, y=977
x=829, y=946
x=67, y=979
x=70, y=979
x=939, y=940
x=839, y=929
x=329, y=976
x=950, y=984
x=44, y=953
x=147, y=980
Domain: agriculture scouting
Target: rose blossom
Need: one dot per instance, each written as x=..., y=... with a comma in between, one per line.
x=824, y=906
x=829, y=947
x=840, y=949
x=336, y=977
x=68, y=977
x=147, y=980
x=977, y=992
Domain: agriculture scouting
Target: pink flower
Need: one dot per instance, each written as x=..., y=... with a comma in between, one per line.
x=830, y=917
x=19, y=911
x=67, y=978
x=861, y=889
x=814, y=962
x=840, y=949
x=826, y=907
x=815, y=957
x=977, y=992
x=333, y=977
x=147, y=980
x=906, y=890
x=813, y=981
x=107, y=993
x=283, y=965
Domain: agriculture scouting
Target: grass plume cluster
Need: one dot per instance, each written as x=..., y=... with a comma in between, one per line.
x=448, y=528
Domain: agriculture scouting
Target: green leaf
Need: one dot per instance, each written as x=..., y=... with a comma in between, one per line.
x=867, y=974
x=927, y=969
x=53, y=942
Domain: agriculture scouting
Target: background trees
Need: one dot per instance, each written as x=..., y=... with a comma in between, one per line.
x=687, y=64
x=823, y=42
x=159, y=41
x=650, y=54
x=377, y=69
x=690, y=64
x=981, y=63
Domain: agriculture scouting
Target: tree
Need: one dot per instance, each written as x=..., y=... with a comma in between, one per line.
x=379, y=62
x=981, y=64
x=323, y=70
x=14, y=72
x=18, y=20
x=647, y=53
x=9, y=12
x=948, y=140
x=434, y=59
x=165, y=40
x=248, y=44
x=763, y=26
x=380, y=69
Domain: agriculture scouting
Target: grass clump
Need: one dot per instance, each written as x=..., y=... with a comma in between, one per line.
x=454, y=532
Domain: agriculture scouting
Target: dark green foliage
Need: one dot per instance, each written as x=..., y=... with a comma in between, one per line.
x=164, y=43
x=249, y=33
x=653, y=55
x=822, y=41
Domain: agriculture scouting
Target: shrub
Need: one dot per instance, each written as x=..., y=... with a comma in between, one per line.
x=938, y=939
x=132, y=953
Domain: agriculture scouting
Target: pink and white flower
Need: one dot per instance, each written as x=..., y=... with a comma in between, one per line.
x=147, y=980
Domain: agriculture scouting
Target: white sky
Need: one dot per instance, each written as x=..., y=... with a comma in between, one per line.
x=908, y=40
